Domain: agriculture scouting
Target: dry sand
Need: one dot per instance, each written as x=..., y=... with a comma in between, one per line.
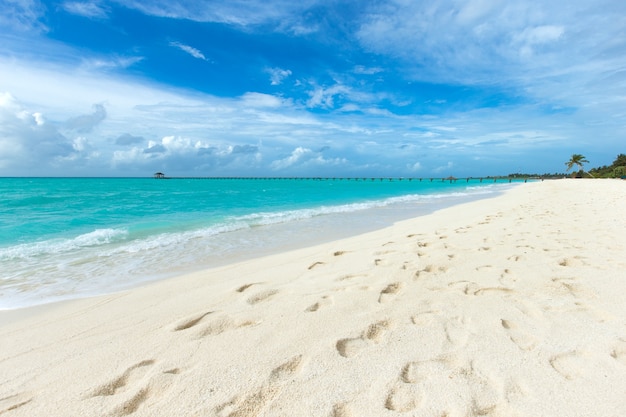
x=510, y=306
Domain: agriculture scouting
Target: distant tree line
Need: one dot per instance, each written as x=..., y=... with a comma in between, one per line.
x=616, y=170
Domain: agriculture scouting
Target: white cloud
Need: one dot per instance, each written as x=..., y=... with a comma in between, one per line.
x=414, y=167
x=90, y=9
x=278, y=75
x=540, y=34
x=27, y=141
x=444, y=168
x=525, y=45
x=87, y=122
x=297, y=155
x=325, y=97
x=283, y=13
x=360, y=69
x=110, y=62
x=22, y=15
x=196, y=53
x=260, y=100
x=305, y=158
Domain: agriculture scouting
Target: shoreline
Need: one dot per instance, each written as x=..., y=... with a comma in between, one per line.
x=119, y=269
x=505, y=306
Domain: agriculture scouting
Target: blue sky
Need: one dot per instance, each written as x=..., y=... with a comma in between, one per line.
x=312, y=88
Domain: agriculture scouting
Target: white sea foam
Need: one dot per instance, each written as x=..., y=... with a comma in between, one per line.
x=110, y=259
x=98, y=237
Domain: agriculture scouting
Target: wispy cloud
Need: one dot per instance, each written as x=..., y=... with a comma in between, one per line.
x=194, y=52
x=361, y=69
x=234, y=12
x=425, y=87
x=89, y=9
x=110, y=62
x=525, y=45
x=23, y=15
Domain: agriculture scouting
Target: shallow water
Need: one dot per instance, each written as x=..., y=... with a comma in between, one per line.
x=64, y=238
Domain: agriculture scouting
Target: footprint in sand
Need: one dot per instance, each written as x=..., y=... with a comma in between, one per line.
x=246, y=286
x=373, y=334
x=430, y=269
x=569, y=364
x=389, y=292
x=13, y=402
x=402, y=398
x=342, y=410
x=325, y=301
x=569, y=262
x=457, y=330
x=315, y=265
x=507, y=277
x=523, y=340
x=571, y=286
x=252, y=404
x=350, y=277
x=132, y=374
x=464, y=384
x=425, y=318
x=223, y=324
x=135, y=386
x=492, y=290
x=262, y=296
x=619, y=353
x=191, y=321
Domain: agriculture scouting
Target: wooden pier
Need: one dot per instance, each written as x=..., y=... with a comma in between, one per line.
x=388, y=179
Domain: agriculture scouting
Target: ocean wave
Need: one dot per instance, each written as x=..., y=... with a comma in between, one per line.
x=168, y=239
x=98, y=237
x=126, y=242
x=269, y=218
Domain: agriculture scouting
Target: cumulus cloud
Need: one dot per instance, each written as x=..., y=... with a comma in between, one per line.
x=87, y=122
x=278, y=75
x=155, y=148
x=414, y=167
x=444, y=168
x=28, y=142
x=194, y=52
x=188, y=156
x=304, y=158
x=297, y=155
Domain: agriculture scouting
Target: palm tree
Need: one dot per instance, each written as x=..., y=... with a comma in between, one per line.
x=576, y=159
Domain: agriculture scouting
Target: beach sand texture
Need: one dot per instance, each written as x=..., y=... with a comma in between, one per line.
x=508, y=306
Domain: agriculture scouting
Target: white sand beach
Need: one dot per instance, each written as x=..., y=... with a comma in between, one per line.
x=508, y=306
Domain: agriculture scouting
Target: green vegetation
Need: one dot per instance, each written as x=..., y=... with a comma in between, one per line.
x=578, y=160
x=616, y=170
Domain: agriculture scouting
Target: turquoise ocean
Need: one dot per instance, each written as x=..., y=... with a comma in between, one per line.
x=63, y=238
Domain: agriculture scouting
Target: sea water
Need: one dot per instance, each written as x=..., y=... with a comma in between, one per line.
x=63, y=238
